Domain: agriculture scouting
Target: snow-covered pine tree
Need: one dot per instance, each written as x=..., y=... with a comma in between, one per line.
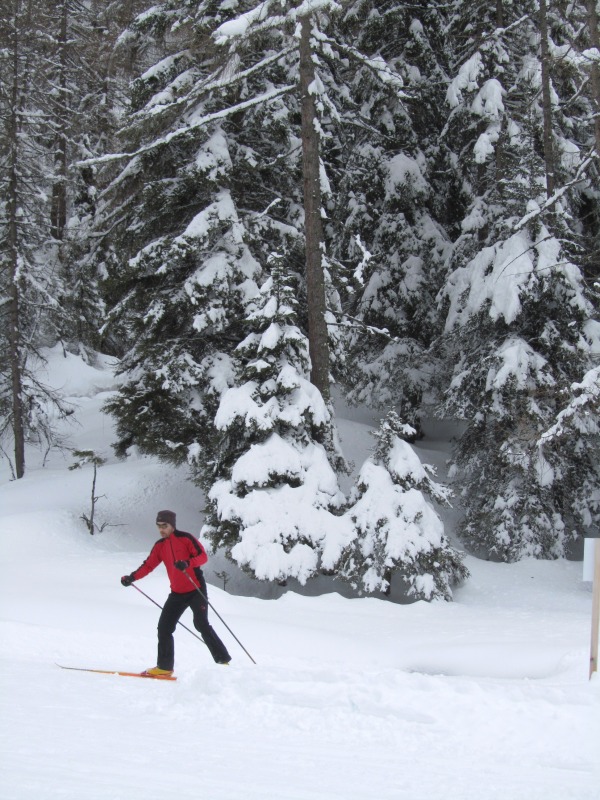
x=397, y=530
x=347, y=81
x=274, y=502
x=392, y=181
x=206, y=190
x=30, y=288
x=88, y=79
x=520, y=323
x=574, y=76
x=573, y=59
x=185, y=309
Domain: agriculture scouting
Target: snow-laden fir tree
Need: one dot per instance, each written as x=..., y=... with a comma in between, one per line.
x=31, y=292
x=274, y=503
x=396, y=528
x=357, y=96
x=520, y=320
x=574, y=76
x=179, y=260
x=88, y=97
x=185, y=310
x=390, y=202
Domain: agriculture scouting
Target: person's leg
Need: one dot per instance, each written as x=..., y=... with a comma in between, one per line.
x=199, y=609
x=167, y=622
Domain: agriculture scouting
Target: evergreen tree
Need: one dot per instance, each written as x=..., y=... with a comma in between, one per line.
x=396, y=528
x=575, y=72
x=188, y=305
x=215, y=131
x=88, y=81
x=55, y=60
x=300, y=29
x=30, y=289
x=520, y=323
x=188, y=222
x=185, y=311
x=392, y=207
x=273, y=503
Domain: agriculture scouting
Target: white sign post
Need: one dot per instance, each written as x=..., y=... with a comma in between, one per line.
x=592, y=572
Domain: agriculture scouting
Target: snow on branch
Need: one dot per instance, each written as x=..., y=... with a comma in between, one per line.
x=259, y=18
x=376, y=64
x=557, y=194
x=229, y=76
x=366, y=257
x=498, y=276
x=196, y=123
x=238, y=27
x=582, y=411
x=165, y=65
x=361, y=325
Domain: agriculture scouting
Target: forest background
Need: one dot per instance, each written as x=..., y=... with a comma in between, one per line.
x=245, y=203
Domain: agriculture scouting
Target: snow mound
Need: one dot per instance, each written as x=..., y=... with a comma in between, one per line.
x=71, y=376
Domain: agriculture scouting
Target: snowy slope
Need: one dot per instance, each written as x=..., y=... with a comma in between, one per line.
x=487, y=697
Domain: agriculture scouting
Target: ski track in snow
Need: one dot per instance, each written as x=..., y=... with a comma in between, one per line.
x=486, y=698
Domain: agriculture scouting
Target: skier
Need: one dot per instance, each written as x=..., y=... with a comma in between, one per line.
x=183, y=556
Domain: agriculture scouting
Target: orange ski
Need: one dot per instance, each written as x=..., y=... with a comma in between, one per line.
x=120, y=672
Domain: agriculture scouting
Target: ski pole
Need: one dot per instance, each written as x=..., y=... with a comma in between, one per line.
x=205, y=598
x=179, y=623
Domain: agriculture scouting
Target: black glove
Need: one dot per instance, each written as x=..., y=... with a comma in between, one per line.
x=182, y=565
x=127, y=580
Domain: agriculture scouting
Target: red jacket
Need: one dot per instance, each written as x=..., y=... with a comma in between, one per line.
x=179, y=546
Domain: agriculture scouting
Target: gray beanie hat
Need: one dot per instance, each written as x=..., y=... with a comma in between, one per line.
x=166, y=516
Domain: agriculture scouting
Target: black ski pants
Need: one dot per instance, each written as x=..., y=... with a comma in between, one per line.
x=174, y=607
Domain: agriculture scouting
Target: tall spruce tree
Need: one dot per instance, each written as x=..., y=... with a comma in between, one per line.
x=214, y=184
x=348, y=80
x=520, y=324
x=302, y=30
x=88, y=81
x=198, y=111
x=575, y=69
x=577, y=427
x=392, y=180
x=30, y=287
x=192, y=213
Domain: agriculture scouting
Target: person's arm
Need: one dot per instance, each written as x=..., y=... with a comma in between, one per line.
x=200, y=558
x=152, y=562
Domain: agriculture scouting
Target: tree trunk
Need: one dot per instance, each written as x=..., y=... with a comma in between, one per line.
x=12, y=209
x=59, y=188
x=595, y=72
x=546, y=101
x=315, y=278
x=499, y=13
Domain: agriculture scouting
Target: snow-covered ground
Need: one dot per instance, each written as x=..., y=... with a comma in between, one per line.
x=481, y=699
